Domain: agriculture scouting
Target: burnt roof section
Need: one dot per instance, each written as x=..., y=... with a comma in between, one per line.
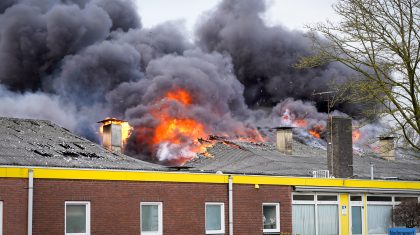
x=25, y=142
x=263, y=158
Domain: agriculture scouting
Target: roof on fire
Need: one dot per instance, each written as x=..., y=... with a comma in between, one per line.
x=263, y=158
x=25, y=142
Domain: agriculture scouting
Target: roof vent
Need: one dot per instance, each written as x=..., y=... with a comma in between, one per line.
x=387, y=147
x=284, y=140
x=321, y=174
x=111, y=131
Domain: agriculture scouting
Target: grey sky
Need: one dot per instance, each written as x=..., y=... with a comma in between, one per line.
x=293, y=14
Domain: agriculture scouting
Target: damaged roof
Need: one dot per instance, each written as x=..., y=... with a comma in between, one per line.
x=263, y=158
x=25, y=142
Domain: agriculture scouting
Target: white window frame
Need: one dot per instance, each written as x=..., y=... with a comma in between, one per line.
x=222, y=217
x=360, y=204
x=315, y=202
x=277, y=205
x=160, y=218
x=1, y=217
x=392, y=203
x=78, y=203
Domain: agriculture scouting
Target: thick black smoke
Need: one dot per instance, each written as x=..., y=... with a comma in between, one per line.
x=264, y=56
x=77, y=61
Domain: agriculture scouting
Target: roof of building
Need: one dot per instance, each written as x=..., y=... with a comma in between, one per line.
x=25, y=142
x=263, y=158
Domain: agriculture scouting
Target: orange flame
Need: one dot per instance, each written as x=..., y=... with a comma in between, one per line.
x=175, y=131
x=179, y=95
x=315, y=133
x=356, y=135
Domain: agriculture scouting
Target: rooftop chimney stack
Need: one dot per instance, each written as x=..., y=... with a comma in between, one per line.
x=112, y=134
x=284, y=140
x=339, y=147
x=387, y=147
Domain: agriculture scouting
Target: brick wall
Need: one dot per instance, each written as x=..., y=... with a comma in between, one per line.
x=115, y=205
x=247, y=207
x=14, y=194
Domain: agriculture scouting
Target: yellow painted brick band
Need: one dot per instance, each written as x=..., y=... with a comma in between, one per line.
x=13, y=172
x=88, y=174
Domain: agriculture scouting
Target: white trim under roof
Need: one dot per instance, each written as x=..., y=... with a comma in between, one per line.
x=355, y=190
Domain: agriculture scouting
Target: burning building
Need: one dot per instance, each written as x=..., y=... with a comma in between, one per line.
x=212, y=106
x=53, y=181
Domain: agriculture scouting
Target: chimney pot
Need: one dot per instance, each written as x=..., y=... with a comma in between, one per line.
x=284, y=140
x=112, y=134
x=387, y=147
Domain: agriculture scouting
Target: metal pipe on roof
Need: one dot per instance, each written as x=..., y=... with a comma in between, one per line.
x=371, y=171
x=230, y=205
x=30, y=199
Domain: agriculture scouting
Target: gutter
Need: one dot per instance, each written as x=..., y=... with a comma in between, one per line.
x=230, y=205
x=30, y=199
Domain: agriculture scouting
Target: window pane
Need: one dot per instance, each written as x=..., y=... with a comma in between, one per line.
x=379, y=218
x=303, y=197
x=379, y=198
x=75, y=218
x=356, y=220
x=402, y=199
x=149, y=218
x=213, y=217
x=270, y=217
x=303, y=219
x=356, y=198
x=327, y=197
x=327, y=219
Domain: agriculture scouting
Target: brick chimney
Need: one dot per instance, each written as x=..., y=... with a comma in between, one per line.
x=112, y=134
x=387, y=147
x=284, y=140
x=339, y=147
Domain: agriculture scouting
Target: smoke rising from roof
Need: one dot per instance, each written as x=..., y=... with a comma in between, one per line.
x=76, y=61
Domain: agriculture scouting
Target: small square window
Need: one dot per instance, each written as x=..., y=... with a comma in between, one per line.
x=151, y=218
x=271, y=217
x=77, y=218
x=215, y=218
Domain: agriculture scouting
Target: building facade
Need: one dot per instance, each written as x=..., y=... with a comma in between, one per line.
x=87, y=201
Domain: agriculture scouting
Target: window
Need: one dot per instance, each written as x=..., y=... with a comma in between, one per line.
x=77, y=218
x=215, y=218
x=315, y=214
x=379, y=214
x=151, y=218
x=379, y=218
x=271, y=217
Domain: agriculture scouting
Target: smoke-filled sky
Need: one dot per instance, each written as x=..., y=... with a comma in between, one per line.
x=75, y=62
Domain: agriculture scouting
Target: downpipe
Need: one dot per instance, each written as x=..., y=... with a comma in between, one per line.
x=230, y=205
x=30, y=199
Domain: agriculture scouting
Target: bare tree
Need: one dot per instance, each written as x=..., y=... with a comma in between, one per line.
x=407, y=213
x=379, y=40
